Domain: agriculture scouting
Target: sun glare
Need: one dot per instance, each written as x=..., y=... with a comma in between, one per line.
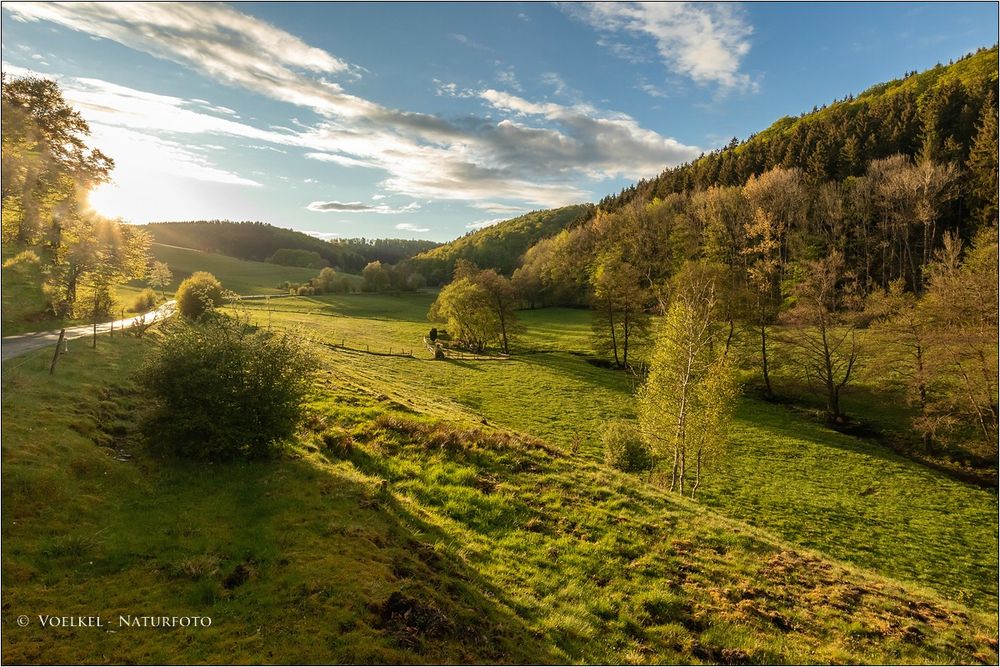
x=106, y=199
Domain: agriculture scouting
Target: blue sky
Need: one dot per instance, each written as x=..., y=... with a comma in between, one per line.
x=428, y=120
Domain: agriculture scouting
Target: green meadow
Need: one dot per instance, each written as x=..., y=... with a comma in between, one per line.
x=851, y=498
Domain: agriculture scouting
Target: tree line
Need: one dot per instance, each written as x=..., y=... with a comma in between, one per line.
x=258, y=241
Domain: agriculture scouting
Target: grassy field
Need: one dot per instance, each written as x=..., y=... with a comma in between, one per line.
x=239, y=275
x=386, y=533
x=849, y=498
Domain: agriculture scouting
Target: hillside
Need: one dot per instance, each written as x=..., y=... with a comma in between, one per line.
x=239, y=275
x=257, y=241
x=936, y=111
x=499, y=246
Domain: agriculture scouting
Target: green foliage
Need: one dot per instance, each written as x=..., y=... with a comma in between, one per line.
x=160, y=275
x=465, y=308
x=619, y=302
x=625, y=449
x=198, y=294
x=920, y=112
x=376, y=277
x=144, y=301
x=297, y=257
x=45, y=159
x=498, y=246
x=690, y=391
x=221, y=389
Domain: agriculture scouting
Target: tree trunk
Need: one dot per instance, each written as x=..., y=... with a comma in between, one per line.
x=625, y=327
x=697, y=476
x=614, y=337
x=673, y=471
x=763, y=360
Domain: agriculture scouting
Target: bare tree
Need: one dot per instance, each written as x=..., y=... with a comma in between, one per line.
x=823, y=332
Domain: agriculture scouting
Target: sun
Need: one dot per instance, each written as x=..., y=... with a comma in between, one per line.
x=108, y=200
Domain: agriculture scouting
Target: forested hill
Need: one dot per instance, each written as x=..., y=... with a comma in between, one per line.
x=499, y=246
x=258, y=241
x=934, y=113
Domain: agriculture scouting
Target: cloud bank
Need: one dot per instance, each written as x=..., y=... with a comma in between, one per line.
x=537, y=154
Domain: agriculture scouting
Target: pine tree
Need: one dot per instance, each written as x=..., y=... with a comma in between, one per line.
x=982, y=164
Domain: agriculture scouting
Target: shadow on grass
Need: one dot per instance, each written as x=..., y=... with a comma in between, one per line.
x=578, y=368
x=328, y=568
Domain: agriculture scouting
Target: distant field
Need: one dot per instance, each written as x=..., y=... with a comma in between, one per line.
x=239, y=275
x=24, y=302
x=850, y=498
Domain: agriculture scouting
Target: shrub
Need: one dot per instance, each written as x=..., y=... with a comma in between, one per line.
x=624, y=448
x=433, y=335
x=221, y=389
x=305, y=290
x=144, y=300
x=416, y=281
x=198, y=294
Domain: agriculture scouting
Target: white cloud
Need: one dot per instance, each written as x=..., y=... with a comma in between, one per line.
x=137, y=152
x=651, y=90
x=326, y=236
x=310, y=180
x=259, y=147
x=377, y=197
x=559, y=86
x=495, y=207
x=358, y=207
x=410, y=227
x=705, y=41
x=479, y=224
x=507, y=77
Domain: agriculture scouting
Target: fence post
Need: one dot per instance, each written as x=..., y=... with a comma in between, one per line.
x=55, y=357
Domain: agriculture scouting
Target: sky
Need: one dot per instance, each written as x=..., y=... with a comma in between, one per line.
x=429, y=120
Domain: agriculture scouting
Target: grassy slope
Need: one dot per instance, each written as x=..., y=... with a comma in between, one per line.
x=240, y=275
x=849, y=498
x=499, y=548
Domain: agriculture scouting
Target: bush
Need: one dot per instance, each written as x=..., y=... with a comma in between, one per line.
x=433, y=335
x=198, y=294
x=416, y=281
x=222, y=390
x=625, y=449
x=144, y=300
x=305, y=290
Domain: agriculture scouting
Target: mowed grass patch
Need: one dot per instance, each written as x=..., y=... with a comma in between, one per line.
x=852, y=499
